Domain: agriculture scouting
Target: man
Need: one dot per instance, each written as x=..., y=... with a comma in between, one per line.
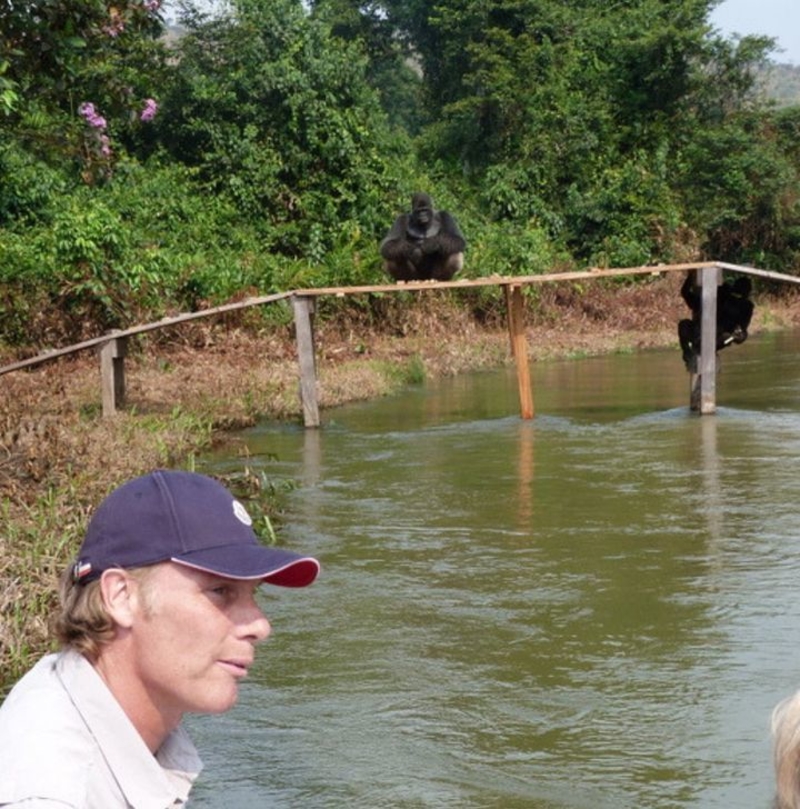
x=158, y=618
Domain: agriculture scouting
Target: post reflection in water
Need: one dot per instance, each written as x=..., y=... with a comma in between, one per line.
x=712, y=508
x=312, y=457
x=525, y=473
x=597, y=608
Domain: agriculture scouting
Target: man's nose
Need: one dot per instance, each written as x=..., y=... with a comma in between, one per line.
x=255, y=625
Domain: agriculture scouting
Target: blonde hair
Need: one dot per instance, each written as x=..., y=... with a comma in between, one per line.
x=786, y=752
x=83, y=623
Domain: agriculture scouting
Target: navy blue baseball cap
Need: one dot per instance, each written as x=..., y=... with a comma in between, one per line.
x=189, y=519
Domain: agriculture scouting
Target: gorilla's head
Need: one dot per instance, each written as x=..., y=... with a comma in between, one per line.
x=422, y=222
x=421, y=208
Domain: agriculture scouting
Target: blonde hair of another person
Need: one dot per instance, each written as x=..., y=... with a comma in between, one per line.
x=786, y=752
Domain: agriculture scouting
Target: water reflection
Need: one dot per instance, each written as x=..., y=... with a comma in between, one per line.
x=525, y=473
x=312, y=457
x=711, y=482
x=597, y=608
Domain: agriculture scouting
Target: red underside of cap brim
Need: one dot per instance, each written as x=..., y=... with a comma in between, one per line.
x=297, y=572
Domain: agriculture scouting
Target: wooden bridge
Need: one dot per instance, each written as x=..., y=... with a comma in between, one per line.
x=112, y=346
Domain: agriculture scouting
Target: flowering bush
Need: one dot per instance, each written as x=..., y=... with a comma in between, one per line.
x=97, y=144
x=118, y=17
x=93, y=118
x=149, y=111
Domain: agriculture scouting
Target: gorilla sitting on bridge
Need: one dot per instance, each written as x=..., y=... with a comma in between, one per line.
x=424, y=244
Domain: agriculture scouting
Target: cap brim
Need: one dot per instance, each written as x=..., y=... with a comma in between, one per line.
x=271, y=565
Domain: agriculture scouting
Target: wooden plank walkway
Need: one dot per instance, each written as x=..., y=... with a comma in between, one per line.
x=112, y=345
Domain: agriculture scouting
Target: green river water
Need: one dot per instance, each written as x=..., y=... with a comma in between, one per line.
x=596, y=609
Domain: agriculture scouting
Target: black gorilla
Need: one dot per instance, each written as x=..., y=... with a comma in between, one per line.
x=424, y=244
x=734, y=311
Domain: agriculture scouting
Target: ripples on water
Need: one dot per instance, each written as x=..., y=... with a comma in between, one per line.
x=597, y=608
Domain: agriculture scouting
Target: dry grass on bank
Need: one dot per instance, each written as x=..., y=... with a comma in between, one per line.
x=189, y=389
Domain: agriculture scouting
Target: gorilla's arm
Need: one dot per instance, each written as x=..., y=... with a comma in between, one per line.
x=745, y=316
x=734, y=314
x=448, y=240
x=396, y=246
x=690, y=292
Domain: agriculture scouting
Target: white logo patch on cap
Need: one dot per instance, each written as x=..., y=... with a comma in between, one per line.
x=241, y=513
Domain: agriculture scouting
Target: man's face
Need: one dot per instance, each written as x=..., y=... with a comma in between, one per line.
x=193, y=639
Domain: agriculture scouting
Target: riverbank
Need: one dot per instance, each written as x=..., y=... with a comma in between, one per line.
x=195, y=386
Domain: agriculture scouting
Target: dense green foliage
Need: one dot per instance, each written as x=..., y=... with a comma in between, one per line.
x=266, y=146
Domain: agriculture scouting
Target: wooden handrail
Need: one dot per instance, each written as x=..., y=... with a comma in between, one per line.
x=113, y=343
x=413, y=286
x=142, y=328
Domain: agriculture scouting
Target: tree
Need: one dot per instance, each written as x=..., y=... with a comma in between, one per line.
x=574, y=115
x=277, y=113
x=56, y=56
x=393, y=69
x=739, y=184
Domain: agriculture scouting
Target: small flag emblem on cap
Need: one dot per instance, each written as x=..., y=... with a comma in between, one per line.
x=81, y=569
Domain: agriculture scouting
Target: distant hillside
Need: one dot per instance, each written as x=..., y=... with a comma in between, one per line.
x=782, y=84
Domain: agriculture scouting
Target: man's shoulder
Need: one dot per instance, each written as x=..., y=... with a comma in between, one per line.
x=43, y=742
x=37, y=696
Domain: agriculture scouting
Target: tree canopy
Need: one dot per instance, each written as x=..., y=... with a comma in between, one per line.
x=254, y=145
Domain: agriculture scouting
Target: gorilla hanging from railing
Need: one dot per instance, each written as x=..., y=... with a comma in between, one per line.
x=424, y=244
x=734, y=312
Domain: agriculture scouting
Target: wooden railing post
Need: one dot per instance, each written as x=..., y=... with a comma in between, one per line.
x=303, y=307
x=709, y=280
x=112, y=374
x=519, y=347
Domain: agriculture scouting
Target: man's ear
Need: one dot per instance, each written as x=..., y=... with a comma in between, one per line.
x=119, y=591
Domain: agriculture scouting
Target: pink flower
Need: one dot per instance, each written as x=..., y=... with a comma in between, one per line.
x=149, y=111
x=115, y=25
x=152, y=5
x=105, y=146
x=93, y=118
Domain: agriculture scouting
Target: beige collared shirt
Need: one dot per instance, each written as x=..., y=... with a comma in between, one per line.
x=66, y=742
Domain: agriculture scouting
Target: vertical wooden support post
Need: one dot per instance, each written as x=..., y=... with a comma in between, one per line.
x=694, y=392
x=710, y=278
x=519, y=348
x=512, y=343
x=112, y=374
x=303, y=307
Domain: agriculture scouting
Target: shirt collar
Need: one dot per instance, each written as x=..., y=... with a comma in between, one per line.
x=148, y=781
